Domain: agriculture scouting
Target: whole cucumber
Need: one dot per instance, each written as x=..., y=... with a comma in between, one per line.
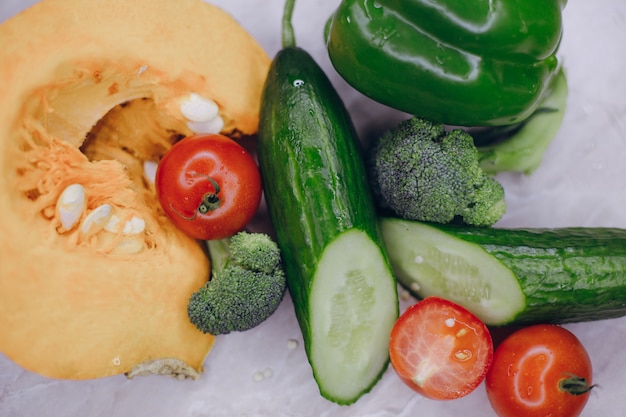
x=316, y=189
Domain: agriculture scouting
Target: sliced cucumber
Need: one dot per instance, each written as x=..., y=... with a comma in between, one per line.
x=349, y=296
x=431, y=262
x=513, y=276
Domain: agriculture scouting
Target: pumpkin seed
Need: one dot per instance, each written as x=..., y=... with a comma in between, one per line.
x=96, y=220
x=71, y=205
x=202, y=114
x=198, y=109
x=134, y=226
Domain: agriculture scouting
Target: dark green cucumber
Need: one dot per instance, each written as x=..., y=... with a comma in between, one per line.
x=315, y=185
x=513, y=276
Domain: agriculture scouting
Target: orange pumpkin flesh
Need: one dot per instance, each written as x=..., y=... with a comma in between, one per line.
x=90, y=91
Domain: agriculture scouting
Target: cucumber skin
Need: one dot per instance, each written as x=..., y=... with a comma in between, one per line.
x=567, y=274
x=313, y=174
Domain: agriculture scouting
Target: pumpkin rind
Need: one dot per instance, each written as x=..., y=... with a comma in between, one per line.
x=76, y=307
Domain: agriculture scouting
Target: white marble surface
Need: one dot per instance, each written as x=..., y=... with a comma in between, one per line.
x=582, y=182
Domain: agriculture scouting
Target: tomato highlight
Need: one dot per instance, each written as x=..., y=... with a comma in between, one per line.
x=539, y=370
x=209, y=186
x=440, y=349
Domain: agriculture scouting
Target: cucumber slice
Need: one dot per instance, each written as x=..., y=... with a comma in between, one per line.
x=349, y=295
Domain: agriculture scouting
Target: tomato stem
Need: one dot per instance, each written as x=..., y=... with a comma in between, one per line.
x=210, y=201
x=575, y=385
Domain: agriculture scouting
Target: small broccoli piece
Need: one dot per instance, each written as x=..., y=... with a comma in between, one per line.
x=246, y=287
x=255, y=251
x=421, y=172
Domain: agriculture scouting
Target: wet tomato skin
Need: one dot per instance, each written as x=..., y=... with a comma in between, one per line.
x=537, y=371
x=192, y=169
x=440, y=349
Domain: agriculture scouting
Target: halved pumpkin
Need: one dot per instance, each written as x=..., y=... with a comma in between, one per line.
x=91, y=92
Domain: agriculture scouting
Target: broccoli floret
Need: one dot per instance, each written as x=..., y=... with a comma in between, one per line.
x=421, y=172
x=247, y=284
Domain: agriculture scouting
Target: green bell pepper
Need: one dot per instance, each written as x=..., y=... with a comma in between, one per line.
x=457, y=62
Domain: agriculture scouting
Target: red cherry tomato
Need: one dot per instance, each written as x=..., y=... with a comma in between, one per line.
x=440, y=349
x=209, y=186
x=540, y=370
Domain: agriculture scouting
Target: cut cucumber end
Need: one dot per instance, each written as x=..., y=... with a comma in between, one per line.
x=430, y=262
x=354, y=306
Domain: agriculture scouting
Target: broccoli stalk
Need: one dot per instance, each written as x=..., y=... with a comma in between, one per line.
x=421, y=172
x=520, y=147
x=247, y=284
